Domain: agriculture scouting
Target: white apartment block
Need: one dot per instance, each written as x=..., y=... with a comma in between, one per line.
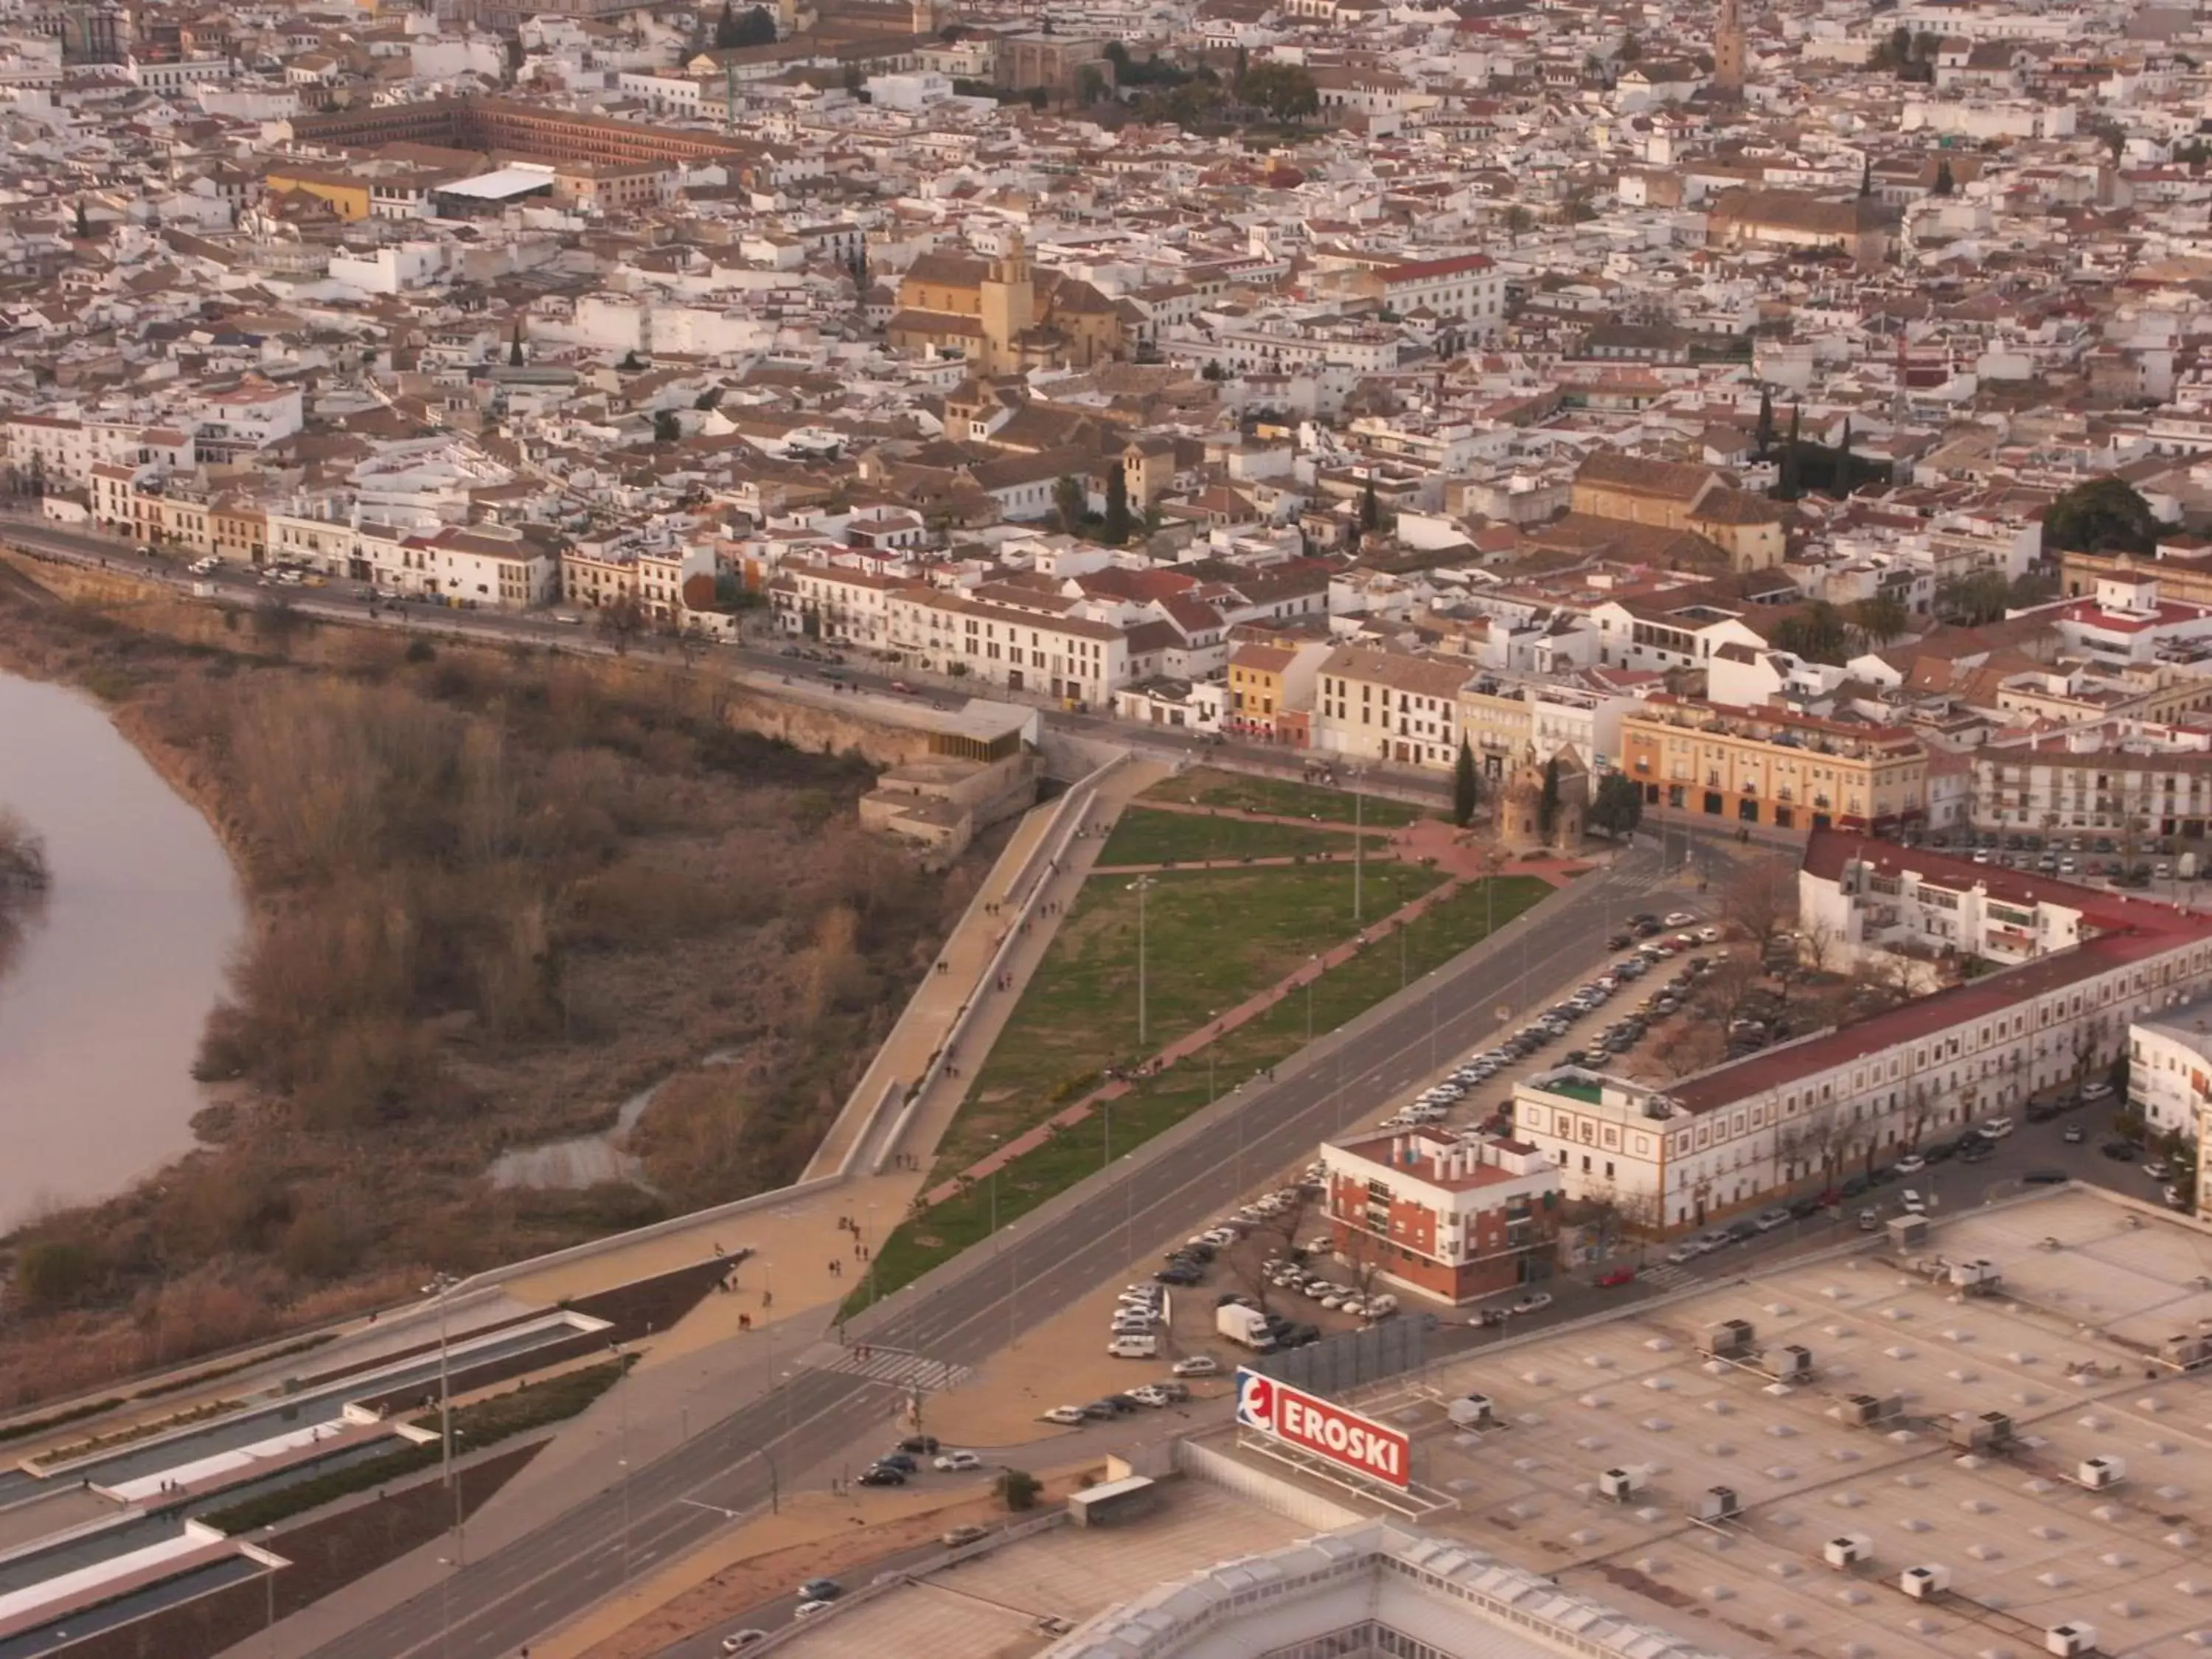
x=2156, y=792
x=1081, y=664
x=1841, y=1101
x=1385, y=706
x=1866, y=898
x=2170, y=1070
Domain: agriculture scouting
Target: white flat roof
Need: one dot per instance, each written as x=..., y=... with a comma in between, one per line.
x=505, y=182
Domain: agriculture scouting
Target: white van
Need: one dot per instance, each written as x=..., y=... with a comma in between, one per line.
x=1130, y=1346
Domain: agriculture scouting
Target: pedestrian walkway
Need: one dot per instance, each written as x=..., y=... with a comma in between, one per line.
x=936, y=1007
x=896, y=1366
x=1191, y=809
x=1666, y=1275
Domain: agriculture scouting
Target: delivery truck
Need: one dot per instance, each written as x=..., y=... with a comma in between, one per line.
x=1246, y=1327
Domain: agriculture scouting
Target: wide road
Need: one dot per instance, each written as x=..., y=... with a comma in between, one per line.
x=972, y=1307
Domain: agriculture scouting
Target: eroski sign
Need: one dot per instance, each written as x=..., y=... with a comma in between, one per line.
x=1321, y=1426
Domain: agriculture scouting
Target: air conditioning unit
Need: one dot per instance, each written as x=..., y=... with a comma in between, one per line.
x=2071, y=1638
x=1908, y=1233
x=1619, y=1485
x=1718, y=1504
x=1924, y=1583
x=1474, y=1411
x=2188, y=1351
x=2101, y=1471
x=1847, y=1551
x=1983, y=1433
x=1730, y=1339
x=1977, y=1277
x=1790, y=1363
x=1858, y=1410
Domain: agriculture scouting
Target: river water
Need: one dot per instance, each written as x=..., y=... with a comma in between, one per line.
x=101, y=1009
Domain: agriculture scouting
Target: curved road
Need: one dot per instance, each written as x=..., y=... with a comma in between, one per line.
x=970, y=1307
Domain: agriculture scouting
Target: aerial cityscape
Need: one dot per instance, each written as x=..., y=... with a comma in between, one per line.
x=1105, y=830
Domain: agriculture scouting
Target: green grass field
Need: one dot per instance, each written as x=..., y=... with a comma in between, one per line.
x=1213, y=938
x=1065, y=1026
x=1147, y=837
x=1204, y=787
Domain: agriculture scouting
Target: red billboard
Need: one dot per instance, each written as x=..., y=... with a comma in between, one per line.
x=1355, y=1444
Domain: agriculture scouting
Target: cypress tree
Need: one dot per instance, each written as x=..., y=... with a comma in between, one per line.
x=1842, y=487
x=1467, y=788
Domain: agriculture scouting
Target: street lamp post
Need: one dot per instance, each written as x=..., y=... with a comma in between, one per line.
x=1142, y=885
x=441, y=1286
x=1359, y=842
x=445, y=1607
x=1313, y=973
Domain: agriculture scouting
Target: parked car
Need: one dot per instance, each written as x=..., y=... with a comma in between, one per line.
x=2044, y=1178
x=739, y=1640
x=953, y=1461
x=1198, y=1365
x=1768, y=1220
x=1067, y=1416
x=957, y=1536
x=2120, y=1151
x=2096, y=1091
x=921, y=1445
x=1533, y=1301
x=820, y=1590
x=1912, y=1164
x=1613, y=1278
x=1996, y=1128
x=878, y=1475
x=1676, y=919
x=2073, y=1134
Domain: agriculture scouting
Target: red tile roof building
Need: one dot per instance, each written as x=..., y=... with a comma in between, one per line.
x=1807, y=1113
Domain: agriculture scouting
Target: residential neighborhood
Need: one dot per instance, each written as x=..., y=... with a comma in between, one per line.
x=857, y=683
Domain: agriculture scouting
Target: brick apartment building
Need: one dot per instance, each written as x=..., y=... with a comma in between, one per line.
x=1450, y=1219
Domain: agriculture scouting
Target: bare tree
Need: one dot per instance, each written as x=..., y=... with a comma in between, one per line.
x=1759, y=901
x=1273, y=1238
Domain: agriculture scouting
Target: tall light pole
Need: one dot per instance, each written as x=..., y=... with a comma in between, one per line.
x=1313, y=973
x=445, y=1607
x=440, y=1286
x=1359, y=842
x=1142, y=885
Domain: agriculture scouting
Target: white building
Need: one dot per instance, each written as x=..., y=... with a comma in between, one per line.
x=1861, y=897
x=1825, y=1106
x=2170, y=1070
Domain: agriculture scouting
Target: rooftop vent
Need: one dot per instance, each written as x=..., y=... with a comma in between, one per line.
x=1924, y=1583
x=1983, y=1433
x=1619, y=1485
x=1850, y=1550
x=1730, y=1339
x=2071, y=1639
x=2101, y=1471
x=1718, y=1504
x=1791, y=1363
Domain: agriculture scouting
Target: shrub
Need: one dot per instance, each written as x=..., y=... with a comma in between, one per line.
x=1018, y=1489
x=54, y=1273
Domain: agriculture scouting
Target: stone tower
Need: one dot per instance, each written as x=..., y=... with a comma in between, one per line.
x=1728, y=50
x=924, y=17
x=1009, y=304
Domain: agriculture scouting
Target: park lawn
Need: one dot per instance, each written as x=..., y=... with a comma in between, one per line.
x=1214, y=938
x=1202, y=786
x=1152, y=837
x=1156, y=1103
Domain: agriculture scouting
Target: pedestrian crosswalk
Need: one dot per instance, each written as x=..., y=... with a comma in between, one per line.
x=1667, y=1276
x=896, y=1366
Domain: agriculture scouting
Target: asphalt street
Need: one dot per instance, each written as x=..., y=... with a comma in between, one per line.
x=972, y=1307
